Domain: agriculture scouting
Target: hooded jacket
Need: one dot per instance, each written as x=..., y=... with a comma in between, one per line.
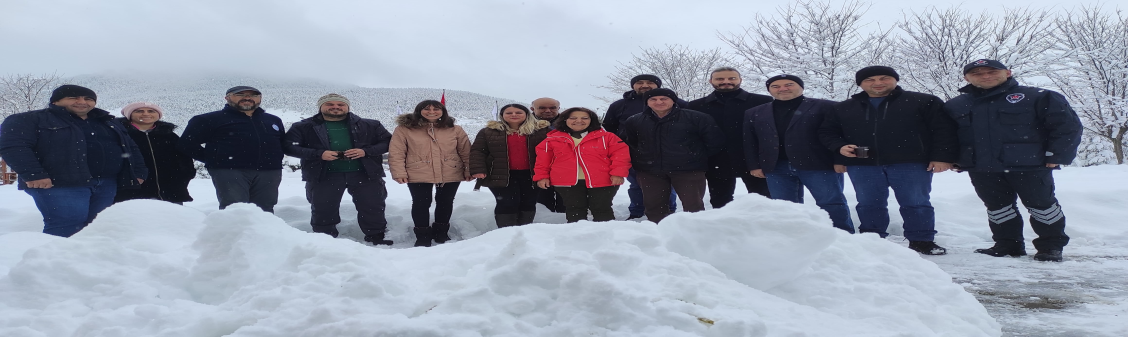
x=907, y=127
x=47, y=143
x=600, y=155
x=235, y=140
x=308, y=140
x=170, y=170
x=424, y=152
x=681, y=141
x=1013, y=127
x=631, y=104
x=490, y=153
x=728, y=113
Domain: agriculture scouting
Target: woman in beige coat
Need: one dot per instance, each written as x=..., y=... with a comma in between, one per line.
x=430, y=154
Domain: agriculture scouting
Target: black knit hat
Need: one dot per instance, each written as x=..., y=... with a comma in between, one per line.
x=647, y=77
x=872, y=71
x=797, y=80
x=983, y=63
x=661, y=92
x=71, y=90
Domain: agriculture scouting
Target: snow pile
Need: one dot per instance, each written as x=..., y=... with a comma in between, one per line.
x=152, y=268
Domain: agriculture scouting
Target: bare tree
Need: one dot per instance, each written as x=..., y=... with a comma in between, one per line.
x=815, y=41
x=25, y=92
x=1091, y=68
x=937, y=43
x=682, y=69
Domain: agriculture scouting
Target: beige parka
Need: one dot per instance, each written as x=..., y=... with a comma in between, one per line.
x=425, y=152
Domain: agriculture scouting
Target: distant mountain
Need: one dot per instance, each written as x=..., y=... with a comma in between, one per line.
x=292, y=99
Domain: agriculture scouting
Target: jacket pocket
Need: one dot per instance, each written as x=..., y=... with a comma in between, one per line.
x=1022, y=155
x=1011, y=117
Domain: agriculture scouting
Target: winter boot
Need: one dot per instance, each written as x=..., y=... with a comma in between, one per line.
x=377, y=239
x=422, y=236
x=331, y=230
x=1000, y=249
x=526, y=217
x=440, y=232
x=927, y=248
x=505, y=220
x=1048, y=256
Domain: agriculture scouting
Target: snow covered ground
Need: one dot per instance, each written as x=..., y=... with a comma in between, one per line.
x=754, y=268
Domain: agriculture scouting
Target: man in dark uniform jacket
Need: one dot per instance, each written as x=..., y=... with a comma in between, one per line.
x=633, y=103
x=1011, y=138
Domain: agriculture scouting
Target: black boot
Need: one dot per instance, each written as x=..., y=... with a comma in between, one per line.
x=422, y=236
x=1048, y=256
x=526, y=217
x=440, y=232
x=377, y=239
x=331, y=230
x=1000, y=249
x=505, y=220
x=927, y=248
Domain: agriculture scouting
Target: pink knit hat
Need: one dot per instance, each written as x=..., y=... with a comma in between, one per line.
x=128, y=109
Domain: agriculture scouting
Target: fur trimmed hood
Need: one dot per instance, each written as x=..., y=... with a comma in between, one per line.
x=410, y=121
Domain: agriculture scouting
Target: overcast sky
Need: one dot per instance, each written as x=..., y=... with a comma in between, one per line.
x=512, y=49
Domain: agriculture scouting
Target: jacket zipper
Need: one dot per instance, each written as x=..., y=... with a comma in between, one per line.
x=156, y=171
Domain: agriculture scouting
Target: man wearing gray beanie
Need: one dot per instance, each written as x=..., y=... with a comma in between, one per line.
x=340, y=152
x=892, y=138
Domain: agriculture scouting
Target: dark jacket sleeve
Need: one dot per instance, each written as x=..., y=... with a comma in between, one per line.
x=1063, y=125
x=714, y=138
x=945, y=142
x=194, y=135
x=830, y=134
x=136, y=159
x=185, y=167
x=381, y=138
x=479, y=153
x=18, y=138
x=627, y=134
x=751, y=143
x=611, y=118
x=295, y=144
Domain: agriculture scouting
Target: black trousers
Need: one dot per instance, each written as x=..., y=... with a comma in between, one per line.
x=579, y=199
x=722, y=185
x=242, y=185
x=656, y=187
x=421, y=199
x=518, y=196
x=368, y=196
x=551, y=199
x=1000, y=192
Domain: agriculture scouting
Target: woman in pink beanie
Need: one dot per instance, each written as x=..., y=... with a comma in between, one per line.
x=169, y=169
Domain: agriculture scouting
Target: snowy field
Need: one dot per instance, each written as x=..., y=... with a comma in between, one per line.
x=754, y=268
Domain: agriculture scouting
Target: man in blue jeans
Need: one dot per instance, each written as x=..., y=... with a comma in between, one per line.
x=891, y=138
x=70, y=158
x=781, y=143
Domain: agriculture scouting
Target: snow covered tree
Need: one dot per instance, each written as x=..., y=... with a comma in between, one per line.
x=25, y=92
x=814, y=40
x=682, y=69
x=1091, y=68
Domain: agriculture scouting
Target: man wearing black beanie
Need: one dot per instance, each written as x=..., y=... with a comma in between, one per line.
x=727, y=104
x=70, y=184
x=891, y=138
x=634, y=102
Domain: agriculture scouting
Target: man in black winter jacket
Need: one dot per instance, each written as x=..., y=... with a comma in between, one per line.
x=670, y=147
x=891, y=138
x=1011, y=138
x=341, y=151
x=241, y=146
x=633, y=103
x=727, y=105
x=70, y=157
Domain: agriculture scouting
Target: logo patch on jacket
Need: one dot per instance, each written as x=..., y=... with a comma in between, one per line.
x=1014, y=98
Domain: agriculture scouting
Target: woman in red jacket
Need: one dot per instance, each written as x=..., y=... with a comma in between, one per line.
x=584, y=163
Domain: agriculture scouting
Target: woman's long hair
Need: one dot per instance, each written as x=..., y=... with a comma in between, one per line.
x=527, y=127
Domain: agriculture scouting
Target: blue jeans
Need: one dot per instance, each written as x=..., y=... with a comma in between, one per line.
x=786, y=183
x=66, y=210
x=911, y=185
x=637, y=208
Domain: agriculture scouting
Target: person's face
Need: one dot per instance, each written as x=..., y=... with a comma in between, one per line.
x=246, y=100
x=432, y=113
x=725, y=80
x=334, y=109
x=785, y=90
x=546, y=109
x=513, y=116
x=78, y=105
x=144, y=116
x=660, y=103
x=643, y=86
x=579, y=121
x=879, y=86
x=987, y=77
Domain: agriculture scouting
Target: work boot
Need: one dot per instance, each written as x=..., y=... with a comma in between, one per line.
x=440, y=231
x=377, y=239
x=1000, y=249
x=927, y=248
x=526, y=217
x=505, y=220
x=422, y=236
x=1048, y=256
x=331, y=230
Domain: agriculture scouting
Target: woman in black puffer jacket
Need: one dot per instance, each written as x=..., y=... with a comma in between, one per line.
x=169, y=169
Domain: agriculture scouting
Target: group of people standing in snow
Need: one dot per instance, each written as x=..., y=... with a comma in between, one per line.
x=75, y=159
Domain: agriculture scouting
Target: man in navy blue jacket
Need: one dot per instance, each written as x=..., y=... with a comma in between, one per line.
x=70, y=158
x=1011, y=138
x=241, y=146
x=781, y=143
x=633, y=103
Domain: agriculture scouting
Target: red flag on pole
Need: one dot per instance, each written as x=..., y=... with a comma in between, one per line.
x=443, y=99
